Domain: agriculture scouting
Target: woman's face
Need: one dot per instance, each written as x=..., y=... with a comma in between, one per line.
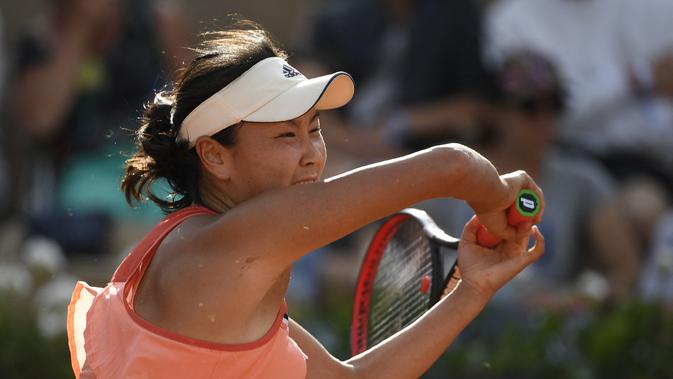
x=269, y=155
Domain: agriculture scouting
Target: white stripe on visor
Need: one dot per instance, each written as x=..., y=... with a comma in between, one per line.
x=270, y=91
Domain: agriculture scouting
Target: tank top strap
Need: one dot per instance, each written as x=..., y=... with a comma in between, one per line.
x=147, y=245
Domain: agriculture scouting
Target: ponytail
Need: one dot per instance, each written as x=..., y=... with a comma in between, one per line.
x=160, y=156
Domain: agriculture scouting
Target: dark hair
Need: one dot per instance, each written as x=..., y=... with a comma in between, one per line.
x=526, y=80
x=523, y=80
x=222, y=57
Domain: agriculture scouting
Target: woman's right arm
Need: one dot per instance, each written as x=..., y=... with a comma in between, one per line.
x=282, y=225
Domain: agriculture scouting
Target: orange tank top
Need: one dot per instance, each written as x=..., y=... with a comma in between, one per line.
x=107, y=339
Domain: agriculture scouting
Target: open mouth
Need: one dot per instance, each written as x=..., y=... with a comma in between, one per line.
x=304, y=182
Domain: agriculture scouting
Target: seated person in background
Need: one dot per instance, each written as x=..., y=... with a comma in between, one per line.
x=99, y=60
x=656, y=282
x=616, y=59
x=583, y=225
x=414, y=87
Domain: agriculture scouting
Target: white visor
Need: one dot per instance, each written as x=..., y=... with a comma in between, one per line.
x=270, y=91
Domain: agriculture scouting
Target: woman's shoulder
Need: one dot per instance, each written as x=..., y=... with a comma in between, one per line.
x=190, y=281
x=194, y=256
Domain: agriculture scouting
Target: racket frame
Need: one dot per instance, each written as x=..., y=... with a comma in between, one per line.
x=437, y=238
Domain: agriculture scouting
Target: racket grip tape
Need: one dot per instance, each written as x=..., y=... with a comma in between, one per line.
x=526, y=207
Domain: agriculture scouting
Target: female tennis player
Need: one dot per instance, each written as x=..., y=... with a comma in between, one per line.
x=238, y=140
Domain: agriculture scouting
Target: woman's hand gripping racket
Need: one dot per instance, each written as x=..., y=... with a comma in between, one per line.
x=525, y=208
x=409, y=265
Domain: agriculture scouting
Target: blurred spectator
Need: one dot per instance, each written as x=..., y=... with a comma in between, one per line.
x=616, y=58
x=417, y=67
x=3, y=57
x=85, y=68
x=10, y=229
x=583, y=228
x=656, y=282
x=4, y=175
x=416, y=64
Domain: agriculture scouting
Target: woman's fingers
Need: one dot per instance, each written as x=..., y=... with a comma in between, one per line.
x=519, y=249
x=523, y=232
x=535, y=252
x=496, y=223
x=470, y=230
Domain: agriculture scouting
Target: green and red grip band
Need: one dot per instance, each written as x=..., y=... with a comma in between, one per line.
x=525, y=208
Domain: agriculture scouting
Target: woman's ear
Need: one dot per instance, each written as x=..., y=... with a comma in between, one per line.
x=214, y=157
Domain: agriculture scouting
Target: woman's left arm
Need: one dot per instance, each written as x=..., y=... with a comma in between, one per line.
x=320, y=363
x=407, y=354
x=411, y=351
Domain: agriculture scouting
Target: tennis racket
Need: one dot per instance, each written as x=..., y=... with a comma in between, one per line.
x=409, y=265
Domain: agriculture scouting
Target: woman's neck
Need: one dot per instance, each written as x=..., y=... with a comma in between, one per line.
x=212, y=197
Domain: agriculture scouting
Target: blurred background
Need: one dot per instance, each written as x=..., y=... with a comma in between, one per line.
x=579, y=93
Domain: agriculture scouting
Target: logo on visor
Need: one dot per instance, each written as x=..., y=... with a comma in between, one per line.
x=290, y=72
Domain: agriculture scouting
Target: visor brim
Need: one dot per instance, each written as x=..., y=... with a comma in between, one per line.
x=324, y=92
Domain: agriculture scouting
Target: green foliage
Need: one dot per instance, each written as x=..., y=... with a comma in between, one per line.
x=24, y=352
x=633, y=341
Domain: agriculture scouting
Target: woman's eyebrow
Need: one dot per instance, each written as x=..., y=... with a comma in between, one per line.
x=295, y=122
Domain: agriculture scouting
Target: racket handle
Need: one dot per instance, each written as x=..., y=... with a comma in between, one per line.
x=525, y=208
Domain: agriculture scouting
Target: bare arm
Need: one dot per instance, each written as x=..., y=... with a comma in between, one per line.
x=282, y=225
x=616, y=249
x=436, y=329
x=418, y=346
x=320, y=363
x=424, y=341
x=52, y=84
x=662, y=72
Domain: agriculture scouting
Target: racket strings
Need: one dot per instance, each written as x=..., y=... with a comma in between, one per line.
x=452, y=282
x=389, y=277
x=392, y=270
x=394, y=307
x=411, y=287
x=401, y=320
x=397, y=296
x=402, y=312
x=398, y=306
